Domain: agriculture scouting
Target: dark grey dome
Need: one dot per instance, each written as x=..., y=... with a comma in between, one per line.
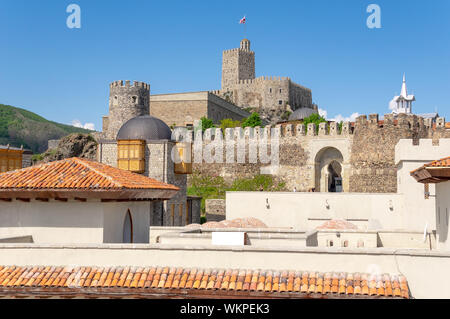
x=301, y=114
x=144, y=128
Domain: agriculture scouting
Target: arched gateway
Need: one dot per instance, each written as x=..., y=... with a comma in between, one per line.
x=329, y=170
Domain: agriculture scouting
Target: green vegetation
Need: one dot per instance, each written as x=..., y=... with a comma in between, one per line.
x=314, y=118
x=285, y=115
x=252, y=121
x=229, y=123
x=214, y=187
x=21, y=127
x=206, y=123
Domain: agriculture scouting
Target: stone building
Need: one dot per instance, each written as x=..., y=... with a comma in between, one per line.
x=271, y=96
x=182, y=109
x=134, y=140
x=125, y=102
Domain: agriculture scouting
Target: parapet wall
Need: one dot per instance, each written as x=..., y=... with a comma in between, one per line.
x=128, y=84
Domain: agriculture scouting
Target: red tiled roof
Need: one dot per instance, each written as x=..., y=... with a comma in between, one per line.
x=433, y=172
x=337, y=224
x=444, y=162
x=151, y=281
x=77, y=173
x=249, y=222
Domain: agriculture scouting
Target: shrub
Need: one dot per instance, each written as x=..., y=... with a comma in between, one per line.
x=252, y=121
x=229, y=123
x=206, y=123
x=314, y=118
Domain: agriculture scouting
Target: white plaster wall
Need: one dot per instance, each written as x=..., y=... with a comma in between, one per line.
x=53, y=221
x=442, y=215
x=408, y=157
x=294, y=209
x=369, y=239
x=114, y=218
x=73, y=221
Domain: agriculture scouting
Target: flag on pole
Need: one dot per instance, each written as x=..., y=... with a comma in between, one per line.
x=242, y=21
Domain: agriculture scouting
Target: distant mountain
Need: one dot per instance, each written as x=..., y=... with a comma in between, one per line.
x=21, y=127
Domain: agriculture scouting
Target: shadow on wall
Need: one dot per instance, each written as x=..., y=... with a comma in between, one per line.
x=17, y=240
x=442, y=224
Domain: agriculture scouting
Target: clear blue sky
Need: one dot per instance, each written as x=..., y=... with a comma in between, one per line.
x=176, y=46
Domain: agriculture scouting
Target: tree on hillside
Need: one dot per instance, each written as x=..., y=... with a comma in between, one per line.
x=252, y=121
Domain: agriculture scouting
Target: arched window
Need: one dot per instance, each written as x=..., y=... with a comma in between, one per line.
x=128, y=228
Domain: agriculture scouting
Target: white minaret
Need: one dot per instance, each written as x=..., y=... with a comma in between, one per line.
x=403, y=102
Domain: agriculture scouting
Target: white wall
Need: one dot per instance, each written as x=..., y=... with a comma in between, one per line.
x=114, y=217
x=294, y=209
x=409, y=157
x=442, y=214
x=53, y=221
x=73, y=221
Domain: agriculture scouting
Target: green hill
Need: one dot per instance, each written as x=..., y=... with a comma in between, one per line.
x=21, y=127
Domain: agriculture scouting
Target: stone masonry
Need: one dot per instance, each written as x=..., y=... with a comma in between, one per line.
x=264, y=93
x=126, y=101
x=363, y=152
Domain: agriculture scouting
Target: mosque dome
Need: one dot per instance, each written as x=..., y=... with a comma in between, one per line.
x=301, y=114
x=144, y=128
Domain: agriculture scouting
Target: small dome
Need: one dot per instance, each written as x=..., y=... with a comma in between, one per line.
x=301, y=114
x=144, y=128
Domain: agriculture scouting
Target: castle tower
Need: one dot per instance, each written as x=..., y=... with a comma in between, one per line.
x=238, y=64
x=125, y=102
x=403, y=102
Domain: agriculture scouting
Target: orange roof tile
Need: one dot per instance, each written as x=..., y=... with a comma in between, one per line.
x=433, y=172
x=337, y=224
x=105, y=281
x=77, y=174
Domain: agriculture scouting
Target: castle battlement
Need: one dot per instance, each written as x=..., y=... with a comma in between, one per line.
x=235, y=50
x=128, y=84
x=409, y=121
x=287, y=132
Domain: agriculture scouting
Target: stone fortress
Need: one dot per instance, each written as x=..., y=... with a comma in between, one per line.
x=357, y=157
x=270, y=96
x=274, y=98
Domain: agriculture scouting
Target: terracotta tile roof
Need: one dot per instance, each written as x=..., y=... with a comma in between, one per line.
x=139, y=281
x=77, y=173
x=247, y=222
x=444, y=162
x=433, y=172
x=337, y=224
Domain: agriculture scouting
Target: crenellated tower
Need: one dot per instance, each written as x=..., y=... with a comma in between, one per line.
x=126, y=101
x=238, y=64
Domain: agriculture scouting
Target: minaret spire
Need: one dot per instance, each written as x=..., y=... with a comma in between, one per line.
x=404, y=91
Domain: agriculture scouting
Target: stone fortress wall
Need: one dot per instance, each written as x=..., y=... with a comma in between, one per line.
x=364, y=151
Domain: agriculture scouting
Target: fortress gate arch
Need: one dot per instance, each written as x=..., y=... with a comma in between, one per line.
x=330, y=162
